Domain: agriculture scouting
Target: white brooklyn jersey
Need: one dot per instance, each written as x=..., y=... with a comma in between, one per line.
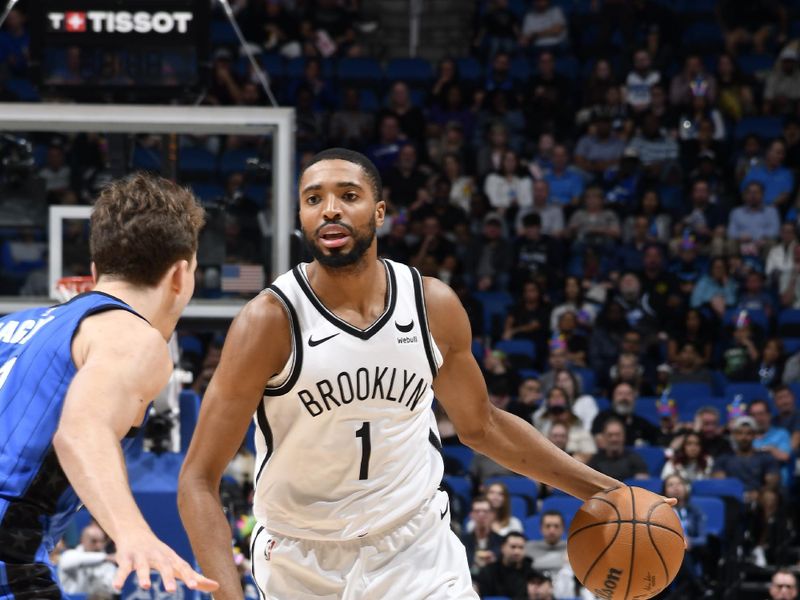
x=347, y=443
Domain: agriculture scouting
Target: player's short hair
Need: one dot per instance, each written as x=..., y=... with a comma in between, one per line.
x=141, y=225
x=356, y=158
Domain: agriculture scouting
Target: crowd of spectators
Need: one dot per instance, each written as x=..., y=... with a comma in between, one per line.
x=613, y=195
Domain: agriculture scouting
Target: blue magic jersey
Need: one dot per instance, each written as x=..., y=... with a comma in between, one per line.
x=36, y=501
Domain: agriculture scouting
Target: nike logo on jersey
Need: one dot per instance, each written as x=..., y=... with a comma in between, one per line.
x=313, y=343
x=404, y=328
x=444, y=512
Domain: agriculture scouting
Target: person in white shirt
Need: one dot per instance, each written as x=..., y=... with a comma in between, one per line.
x=506, y=188
x=552, y=215
x=640, y=81
x=780, y=260
x=544, y=25
x=88, y=568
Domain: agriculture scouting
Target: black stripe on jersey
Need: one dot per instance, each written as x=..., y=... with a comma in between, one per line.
x=297, y=343
x=22, y=528
x=419, y=298
x=253, y=561
x=266, y=431
x=435, y=441
x=364, y=334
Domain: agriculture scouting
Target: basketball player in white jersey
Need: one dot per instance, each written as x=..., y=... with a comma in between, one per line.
x=339, y=360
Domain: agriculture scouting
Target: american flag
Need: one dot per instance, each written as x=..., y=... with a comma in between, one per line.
x=242, y=278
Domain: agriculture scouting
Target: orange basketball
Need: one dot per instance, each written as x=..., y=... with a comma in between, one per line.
x=625, y=544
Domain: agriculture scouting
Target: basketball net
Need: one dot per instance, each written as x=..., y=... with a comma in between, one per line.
x=69, y=287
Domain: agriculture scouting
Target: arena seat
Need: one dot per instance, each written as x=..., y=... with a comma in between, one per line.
x=764, y=127
x=714, y=511
x=222, y=34
x=532, y=527
x=757, y=317
x=653, y=456
x=752, y=64
x=469, y=69
x=719, y=488
x=364, y=71
x=147, y=159
x=462, y=455
x=517, y=347
x=460, y=485
x=748, y=391
x=235, y=161
x=517, y=486
x=414, y=71
x=681, y=391
x=196, y=163
x=566, y=505
x=651, y=484
x=23, y=89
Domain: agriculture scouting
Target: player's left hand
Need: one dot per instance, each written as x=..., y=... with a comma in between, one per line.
x=146, y=552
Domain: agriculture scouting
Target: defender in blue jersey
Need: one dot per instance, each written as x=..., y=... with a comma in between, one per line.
x=77, y=377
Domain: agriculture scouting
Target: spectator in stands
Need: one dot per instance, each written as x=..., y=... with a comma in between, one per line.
x=628, y=369
x=313, y=81
x=14, y=42
x=434, y=253
x=482, y=543
x=509, y=575
x=754, y=296
x=599, y=150
x=656, y=221
x=350, y=126
x=751, y=23
x=688, y=366
x=540, y=586
x=693, y=329
x=704, y=217
x=333, y=28
x=640, y=80
x=783, y=585
x=657, y=151
x=551, y=214
x=447, y=77
x=687, y=582
x=409, y=117
x=613, y=458
x=691, y=80
x=462, y=186
x=575, y=302
x=529, y=398
x=593, y=225
x=390, y=139
x=566, y=185
x=776, y=180
x=788, y=416
x=782, y=89
x=547, y=99
x=770, y=438
x=756, y=470
x=497, y=29
x=597, y=85
x=790, y=282
x=717, y=290
x=225, y=88
x=508, y=188
x=637, y=430
x=773, y=362
x=56, y=172
x=791, y=135
x=707, y=422
x=559, y=436
x=556, y=360
x=544, y=26
x=736, y=97
x=549, y=554
x=690, y=461
x=500, y=500
x=312, y=124
x=536, y=255
x=700, y=113
x=405, y=179
x=88, y=568
x=529, y=318
x=558, y=409
x=741, y=358
x=583, y=404
x=489, y=258
x=491, y=154
x=639, y=313
x=780, y=260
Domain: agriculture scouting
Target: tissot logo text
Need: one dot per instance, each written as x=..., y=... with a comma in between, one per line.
x=102, y=21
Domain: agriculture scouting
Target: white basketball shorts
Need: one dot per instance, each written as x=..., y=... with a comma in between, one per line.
x=419, y=560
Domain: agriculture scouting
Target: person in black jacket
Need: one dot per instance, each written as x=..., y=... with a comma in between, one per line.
x=509, y=575
x=638, y=430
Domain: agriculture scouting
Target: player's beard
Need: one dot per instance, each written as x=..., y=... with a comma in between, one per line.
x=336, y=258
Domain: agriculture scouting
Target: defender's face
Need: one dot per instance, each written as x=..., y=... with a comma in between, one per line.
x=338, y=212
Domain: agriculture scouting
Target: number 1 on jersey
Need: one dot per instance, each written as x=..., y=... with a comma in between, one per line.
x=366, y=448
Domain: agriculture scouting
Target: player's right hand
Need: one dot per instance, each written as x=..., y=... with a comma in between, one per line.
x=141, y=554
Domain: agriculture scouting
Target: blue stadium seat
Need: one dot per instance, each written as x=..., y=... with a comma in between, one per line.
x=478, y=350
x=274, y=65
x=587, y=378
x=703, y=34
x=517, y=486
x=365, y=71
x=520, y=68
x=196, y=163
x=294, y=67
x=757, y=317
x=469, y=70
x=461, y=454
x=718, y=383
x=789, y=317
x=189, y=404
x=646, y=408
x=462, y=486
x=764, y=127
x=495, y=307
x=235, y=161
x=257, y=194
x=517, y=347
x=654, y=457
x=414, y=71
x=532, y=527
x=566, y=505
x=714, y=511
x=191, y=344
x=160, y=510
x=519, y=507
x=791, y=345
x=689, y=391
x=568, y=66
x=719, y=488
x=527, y=374
x=651, y=484
x=748, y=391
x=207, y=192
x=222, y=34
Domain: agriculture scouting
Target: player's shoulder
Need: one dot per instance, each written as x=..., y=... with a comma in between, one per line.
x=265, y=310
x=438, y=295
x=114, y=333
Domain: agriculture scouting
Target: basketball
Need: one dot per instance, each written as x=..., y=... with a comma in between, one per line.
x=625, y=544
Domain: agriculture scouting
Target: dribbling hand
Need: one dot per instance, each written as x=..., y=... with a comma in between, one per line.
x=145, y=553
